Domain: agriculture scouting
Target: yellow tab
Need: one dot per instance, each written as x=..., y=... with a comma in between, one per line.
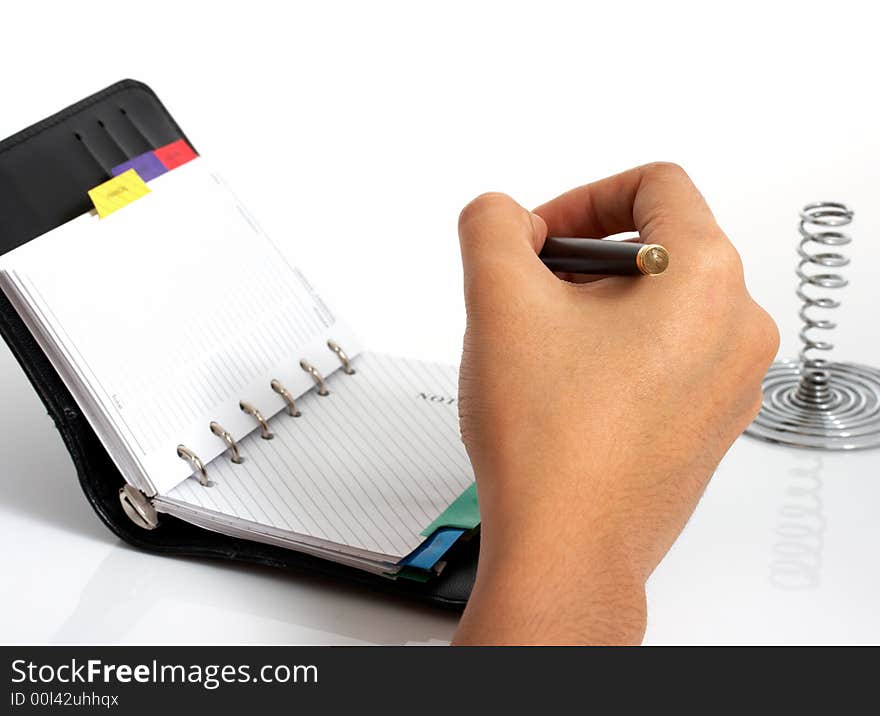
x=118, y=192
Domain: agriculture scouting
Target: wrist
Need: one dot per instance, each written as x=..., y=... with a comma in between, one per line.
x=554, y=594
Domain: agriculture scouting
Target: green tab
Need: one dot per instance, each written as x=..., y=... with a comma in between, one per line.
x=463, y=513
x=417, y=575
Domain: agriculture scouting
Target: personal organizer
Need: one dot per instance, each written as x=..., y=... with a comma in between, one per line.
x=213, y=402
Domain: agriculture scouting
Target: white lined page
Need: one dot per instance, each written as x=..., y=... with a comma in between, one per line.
x=164, y=315
x=366, y=468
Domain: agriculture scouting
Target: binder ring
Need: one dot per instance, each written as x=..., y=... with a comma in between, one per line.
x=288, y=398
x=343, y=357
x=184, y=453
x=316, y=376
x=220, y=432
x=265, y=433
x=138, y=508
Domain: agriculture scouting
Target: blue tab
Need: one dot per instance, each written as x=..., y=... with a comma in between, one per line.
x=147, y=165
x=429, y=552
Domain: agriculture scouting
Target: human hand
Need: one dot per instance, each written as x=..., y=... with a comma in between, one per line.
x=594, y=414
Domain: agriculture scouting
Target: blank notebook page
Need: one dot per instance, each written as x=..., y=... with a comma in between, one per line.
x=170, y=311
x=368, y=467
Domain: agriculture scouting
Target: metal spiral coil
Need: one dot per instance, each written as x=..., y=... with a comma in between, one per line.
x=814, y=402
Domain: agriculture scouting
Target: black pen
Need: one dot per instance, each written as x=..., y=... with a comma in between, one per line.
x=600, y=256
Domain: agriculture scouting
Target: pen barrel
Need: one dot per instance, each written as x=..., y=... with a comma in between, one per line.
x=591, y=256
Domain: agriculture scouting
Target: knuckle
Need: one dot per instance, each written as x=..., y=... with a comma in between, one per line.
x=669, y=170
x=731, y=262
x=719, y=260
x=759, y=340
x=766, y=335
x=483, y=205
x=725, y=254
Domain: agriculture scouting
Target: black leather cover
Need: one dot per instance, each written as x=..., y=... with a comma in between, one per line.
x=45, y=173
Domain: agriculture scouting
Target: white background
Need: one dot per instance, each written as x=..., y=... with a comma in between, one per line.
x=356, y=132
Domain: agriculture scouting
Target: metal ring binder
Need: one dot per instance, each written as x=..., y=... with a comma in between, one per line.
x=814, y=402
x=265, y=433
x=316, y=376
x=223, y=434
x=343, y=357
x=184, y=453
x=288, y=398
x=138, y=508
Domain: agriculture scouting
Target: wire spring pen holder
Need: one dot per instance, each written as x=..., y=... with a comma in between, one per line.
x=813, y=402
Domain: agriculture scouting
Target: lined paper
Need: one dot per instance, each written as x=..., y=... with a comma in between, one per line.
x=362, y=470
x=164, y=315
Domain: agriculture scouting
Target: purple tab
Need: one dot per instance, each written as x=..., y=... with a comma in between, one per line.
x=147, y=165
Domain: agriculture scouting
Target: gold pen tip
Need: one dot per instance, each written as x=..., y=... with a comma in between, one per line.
x=652, y=259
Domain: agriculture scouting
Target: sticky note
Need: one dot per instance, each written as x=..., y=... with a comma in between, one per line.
x=463, y=513
x=174, y=154
x=118, y=192
x=147, y=165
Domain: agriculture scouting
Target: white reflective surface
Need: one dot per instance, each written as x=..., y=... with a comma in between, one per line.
x=782, y=549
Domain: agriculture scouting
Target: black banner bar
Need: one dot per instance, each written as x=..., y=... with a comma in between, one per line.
x=413, y=680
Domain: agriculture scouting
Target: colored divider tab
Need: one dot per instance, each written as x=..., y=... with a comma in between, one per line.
x=429, y=552
x=156, y=162
x=463, y=513
x=147, y=165
x=118, y=192
x=174, y=154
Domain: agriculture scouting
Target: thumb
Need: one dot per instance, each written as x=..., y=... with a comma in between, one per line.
x=500, y=241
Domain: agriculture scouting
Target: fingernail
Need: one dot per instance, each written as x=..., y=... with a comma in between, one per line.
x=539, y=230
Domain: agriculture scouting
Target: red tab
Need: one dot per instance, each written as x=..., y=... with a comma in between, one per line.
x=174, y=154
